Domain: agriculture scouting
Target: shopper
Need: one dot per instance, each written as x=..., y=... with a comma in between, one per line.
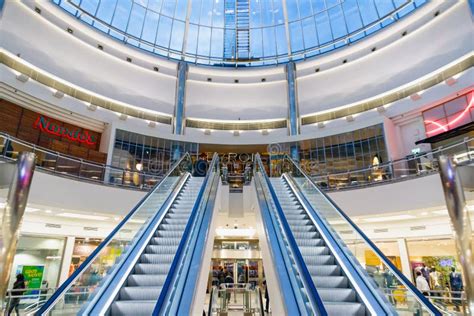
x=422, y=284
x=435, y=284
x=229, y=282
x=455, y=282
x=18, y=289
x=426, y=272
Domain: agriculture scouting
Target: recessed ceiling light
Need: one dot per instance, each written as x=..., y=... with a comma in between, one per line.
x=129, y=59
x=156, y=68
x=83, y=216
x=316, y=70
x=236, y=80
x=100, y=47
x=389, y=218
x=48, y=211
x=209, y=79
x=350, y=118
x=69, y=30
x=344, y=61
x=37, y=10
x=374, y=49
x=404, y=33
x=236, y=133
x=152, y=124
x=265, y=132
x=321, y=125
x=123, y=117
x=264, y=79
x=207, y=132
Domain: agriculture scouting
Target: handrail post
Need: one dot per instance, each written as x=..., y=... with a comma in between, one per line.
x=13, y=215
x=461, y=224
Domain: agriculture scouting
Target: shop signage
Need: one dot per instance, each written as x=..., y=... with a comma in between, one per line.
x=45, y=125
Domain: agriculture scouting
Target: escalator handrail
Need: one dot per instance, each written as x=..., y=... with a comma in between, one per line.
x=184, y=239
x=373, y=300
x=68, y=283
x=313, y=294
x=402, y=278
x=260, y=300
x=281, y=262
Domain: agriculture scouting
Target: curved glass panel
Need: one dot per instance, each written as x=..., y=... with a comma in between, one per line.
x=239, y=32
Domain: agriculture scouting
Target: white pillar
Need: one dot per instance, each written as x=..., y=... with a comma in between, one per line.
x=405, y=258
x=67, y=257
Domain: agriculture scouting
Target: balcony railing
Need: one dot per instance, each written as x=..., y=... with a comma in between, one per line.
x=415, y=165
x=71, y=167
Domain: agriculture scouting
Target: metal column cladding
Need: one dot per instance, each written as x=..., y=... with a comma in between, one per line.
x=180, y=98
x=293, y=115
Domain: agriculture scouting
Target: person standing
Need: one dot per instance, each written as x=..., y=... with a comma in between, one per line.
x=18, y=289
x=421, y=284
x=455, y=282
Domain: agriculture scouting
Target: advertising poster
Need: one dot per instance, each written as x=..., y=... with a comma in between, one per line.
x=33, y=277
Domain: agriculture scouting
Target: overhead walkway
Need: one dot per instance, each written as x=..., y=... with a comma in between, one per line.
x=150, y=262
x=325, y=253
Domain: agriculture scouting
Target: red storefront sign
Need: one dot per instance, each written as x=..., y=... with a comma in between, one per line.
x=45, y=125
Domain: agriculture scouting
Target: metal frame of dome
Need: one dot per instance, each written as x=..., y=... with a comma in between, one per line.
x=295, y=34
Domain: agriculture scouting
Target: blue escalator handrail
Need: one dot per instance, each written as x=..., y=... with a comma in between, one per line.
x=402, y=278
x=65, y=286
x=179, y=252
x=312, y=292
x=282, y=263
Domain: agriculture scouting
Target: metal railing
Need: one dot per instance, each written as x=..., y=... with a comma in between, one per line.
x=72, y=167
x=397, y=170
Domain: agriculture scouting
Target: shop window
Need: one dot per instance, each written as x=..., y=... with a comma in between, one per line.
x=39, y=259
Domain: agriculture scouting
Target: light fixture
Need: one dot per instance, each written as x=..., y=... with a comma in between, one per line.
x=123, y=117
x=381, y=109
x=207, y=132
x=37, y=10
x=389, y=218
x=152, y=124
x=31, y=209
x=236, y=80
x=321, y=125
x=91, y=107
x=264, y=79
x=69, y=30
x=129, y=59
x=209, y=79
x=236, y=133
x=83, y=216
x=350, y=118
x=265, y=132
x=415, y=96
x=450, y=81
x=48, y=211
x=139, y=166
x=156, y=68
x=58, y=94
x=22, y=77
x=236, y=232
x=100, y=47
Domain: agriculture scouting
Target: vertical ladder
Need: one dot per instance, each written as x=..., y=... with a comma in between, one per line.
x=229, y=31
x=237, y=30
x=243, y=29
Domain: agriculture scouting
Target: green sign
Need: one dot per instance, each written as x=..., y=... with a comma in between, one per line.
x=33, y=277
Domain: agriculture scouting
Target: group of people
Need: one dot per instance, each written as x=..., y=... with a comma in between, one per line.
x=430, y=282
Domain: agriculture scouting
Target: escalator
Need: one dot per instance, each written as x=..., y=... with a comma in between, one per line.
x=140, y=268
x=143, y=286
x=337, y=294
x=326, y=247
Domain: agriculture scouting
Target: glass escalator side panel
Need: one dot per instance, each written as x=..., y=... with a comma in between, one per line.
x=382, y=273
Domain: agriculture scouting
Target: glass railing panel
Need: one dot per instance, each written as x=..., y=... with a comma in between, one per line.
x=359, y=248
x=91, y=171
x=79, y=287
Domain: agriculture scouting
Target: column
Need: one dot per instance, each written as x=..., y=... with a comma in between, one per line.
x=293, y=115
x=178, y=127
x=405, y=258
x=67, y=257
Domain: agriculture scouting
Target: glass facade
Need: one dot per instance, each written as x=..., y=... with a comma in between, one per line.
x=336, y=153
x=151, y=155
x=247, y=32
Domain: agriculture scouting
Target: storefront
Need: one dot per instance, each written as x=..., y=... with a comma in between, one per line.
x=37, y=129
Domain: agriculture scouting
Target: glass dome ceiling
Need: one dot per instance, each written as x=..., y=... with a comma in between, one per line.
x=239, y=32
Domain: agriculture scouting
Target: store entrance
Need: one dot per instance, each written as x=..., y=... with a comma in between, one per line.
x=236, y=280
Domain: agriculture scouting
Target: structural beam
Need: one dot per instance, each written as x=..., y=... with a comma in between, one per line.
x=178, y=126
x=293, y=113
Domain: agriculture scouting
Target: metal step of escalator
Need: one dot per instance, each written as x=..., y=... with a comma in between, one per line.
x=143, y=286
x=338, y=297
